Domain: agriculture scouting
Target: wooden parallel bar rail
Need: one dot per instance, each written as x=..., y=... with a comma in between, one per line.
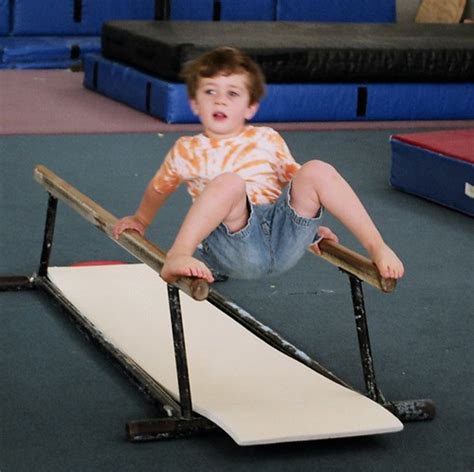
x=131, y=241
x=355, y=264
x=153, y=256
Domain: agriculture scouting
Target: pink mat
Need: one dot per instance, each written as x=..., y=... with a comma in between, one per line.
x=55, y=102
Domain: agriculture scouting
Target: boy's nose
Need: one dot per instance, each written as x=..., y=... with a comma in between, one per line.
x=220, y=98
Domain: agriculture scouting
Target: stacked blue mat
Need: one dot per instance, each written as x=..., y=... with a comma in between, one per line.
x=288, y=102
x=322, y=101
x=58, y=33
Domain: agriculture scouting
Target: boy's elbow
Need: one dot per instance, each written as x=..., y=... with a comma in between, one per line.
x=159, y=190
x=154, y=188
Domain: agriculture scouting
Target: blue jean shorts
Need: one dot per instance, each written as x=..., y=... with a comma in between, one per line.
x=274, y=240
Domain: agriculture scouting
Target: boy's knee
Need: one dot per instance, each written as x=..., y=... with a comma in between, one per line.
x=230, y=182
x=316, y=169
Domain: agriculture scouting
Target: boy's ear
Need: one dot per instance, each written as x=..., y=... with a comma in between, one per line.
x=251, y=110
x=194, y=107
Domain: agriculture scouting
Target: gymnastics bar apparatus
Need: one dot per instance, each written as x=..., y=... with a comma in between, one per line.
x=181, y=420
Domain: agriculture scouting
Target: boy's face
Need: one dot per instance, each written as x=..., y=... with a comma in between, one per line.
x=222, y=104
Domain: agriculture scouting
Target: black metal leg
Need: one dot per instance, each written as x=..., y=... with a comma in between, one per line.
x=23, y=282
x=48, y=236
x=412, y=410
x=180, y=352
x=405, y=410
x=186, y=423
x=373, y=391
x=167, y=428
x=16, y=283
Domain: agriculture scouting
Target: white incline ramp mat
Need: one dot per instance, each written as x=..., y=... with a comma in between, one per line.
x=252, y=391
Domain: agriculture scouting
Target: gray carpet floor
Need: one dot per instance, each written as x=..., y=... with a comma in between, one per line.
x=63, y=404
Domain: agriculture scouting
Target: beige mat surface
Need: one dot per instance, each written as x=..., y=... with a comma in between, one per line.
x=252, y=391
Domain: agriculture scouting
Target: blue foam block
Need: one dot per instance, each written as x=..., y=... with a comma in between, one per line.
x=46, y=52
x=4, y=17
x=67, y=17
x=433, y=176
x=308, y=102
x=355, y=11
x=168, y=100
x=165, y=100
x=111, y=81
x=420, y=101
x=289, y=102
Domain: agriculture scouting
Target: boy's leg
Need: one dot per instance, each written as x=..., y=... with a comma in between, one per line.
x=224, y=200
x=317, y=185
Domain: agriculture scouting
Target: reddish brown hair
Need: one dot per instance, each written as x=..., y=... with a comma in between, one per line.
x=225, y=61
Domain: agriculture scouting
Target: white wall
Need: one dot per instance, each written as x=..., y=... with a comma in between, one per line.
x=406, y=10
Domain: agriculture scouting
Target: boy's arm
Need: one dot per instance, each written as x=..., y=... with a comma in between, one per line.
x=151, y=202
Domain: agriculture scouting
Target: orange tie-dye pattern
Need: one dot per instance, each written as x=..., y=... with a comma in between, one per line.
x=258, y=154
x=229, y=155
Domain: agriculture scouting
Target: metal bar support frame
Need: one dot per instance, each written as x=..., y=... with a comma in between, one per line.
x=179, y=419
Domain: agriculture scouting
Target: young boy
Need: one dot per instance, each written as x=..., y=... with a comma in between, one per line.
x=255, y=210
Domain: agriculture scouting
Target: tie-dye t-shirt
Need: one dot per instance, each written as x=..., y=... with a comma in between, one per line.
x=258, y=154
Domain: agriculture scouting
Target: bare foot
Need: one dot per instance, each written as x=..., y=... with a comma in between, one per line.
x=178, y=265
x=324, y=233
x=388, y=263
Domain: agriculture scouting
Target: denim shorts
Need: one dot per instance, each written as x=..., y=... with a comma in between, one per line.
x=274, y=240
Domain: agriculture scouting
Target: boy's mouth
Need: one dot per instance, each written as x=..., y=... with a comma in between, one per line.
x=218, y=115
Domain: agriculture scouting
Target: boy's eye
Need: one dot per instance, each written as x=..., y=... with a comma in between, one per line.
x=209, y=91
x=233, y=94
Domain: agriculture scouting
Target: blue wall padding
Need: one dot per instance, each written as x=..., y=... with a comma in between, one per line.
x=355, y=11
x=290, y=102
x=229, y=10
x=59, y=17
x=420, y=101
x=36, y=52
x=201, y=10
x=4, y=17
x=431, y=175
x=247, y=10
